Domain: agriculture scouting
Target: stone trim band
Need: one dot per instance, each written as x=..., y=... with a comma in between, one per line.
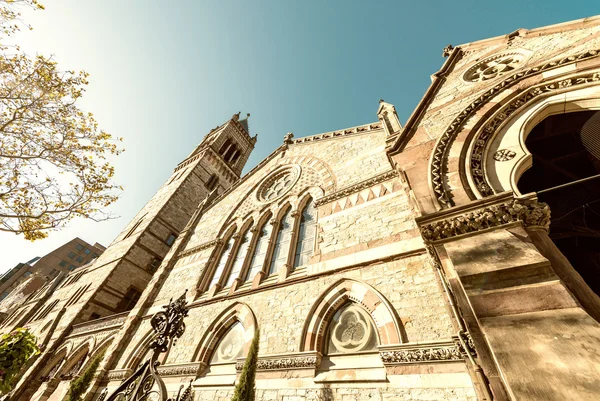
x=388, y=175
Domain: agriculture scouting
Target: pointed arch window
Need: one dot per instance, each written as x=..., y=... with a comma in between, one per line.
x=231, y=345
x=239, y=258
x=306, y=235
x=222, y=262
x=282, y=243
x=260, y=250
x=351, y=330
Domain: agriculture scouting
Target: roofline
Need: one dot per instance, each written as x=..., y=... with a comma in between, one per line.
x=548, y=29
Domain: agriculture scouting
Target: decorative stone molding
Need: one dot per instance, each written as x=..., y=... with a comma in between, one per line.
x=334, y=134
x=100, y=324
x=442, y=147
x=189, y=369
x=388, y=175
x=198, y=248
x=483, y=137
x=304, y=360
x=278, y=183
x=440, y=351
x=530, y=212
x=119, y=374
x=493, y=67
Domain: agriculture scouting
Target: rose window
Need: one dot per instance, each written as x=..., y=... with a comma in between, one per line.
x=493, y=67
x=278, y=184
x=351, y=330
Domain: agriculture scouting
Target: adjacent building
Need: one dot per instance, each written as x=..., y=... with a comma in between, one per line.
x=65, y=258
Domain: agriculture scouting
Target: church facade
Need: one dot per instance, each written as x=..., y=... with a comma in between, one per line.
x=379, y=262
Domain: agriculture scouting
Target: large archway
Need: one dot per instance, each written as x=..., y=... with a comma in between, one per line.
x=565, y=173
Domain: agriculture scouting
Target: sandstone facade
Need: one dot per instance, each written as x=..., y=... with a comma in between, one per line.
x=382, y=262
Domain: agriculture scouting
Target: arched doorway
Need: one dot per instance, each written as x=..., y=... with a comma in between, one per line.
x=565, y=173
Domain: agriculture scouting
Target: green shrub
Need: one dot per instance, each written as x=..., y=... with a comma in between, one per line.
x=244, y=390
x=80, y=385
x=15, y=349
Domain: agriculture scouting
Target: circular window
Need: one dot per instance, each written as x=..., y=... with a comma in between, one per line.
x=493, y=67
x=278, y=184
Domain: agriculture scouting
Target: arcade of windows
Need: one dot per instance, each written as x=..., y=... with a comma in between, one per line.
x=230, y=152
x=272, y=245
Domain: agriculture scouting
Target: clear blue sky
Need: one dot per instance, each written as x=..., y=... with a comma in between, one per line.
x=164, y=72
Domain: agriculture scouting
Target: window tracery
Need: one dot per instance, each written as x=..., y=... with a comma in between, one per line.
x=493, y=67
x=351, y=330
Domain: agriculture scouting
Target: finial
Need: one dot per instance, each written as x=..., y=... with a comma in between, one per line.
x=381, y=100
x=247, y=115
x=447, y=50
x=287, y=138
x=236, y=117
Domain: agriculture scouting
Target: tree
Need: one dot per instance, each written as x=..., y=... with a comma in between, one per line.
x=79, y=386
x=15, y=350
x=53, y=156
x=244, y=389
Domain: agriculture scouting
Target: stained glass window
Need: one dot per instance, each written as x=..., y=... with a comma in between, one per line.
x=239, y=258
x=306, y=235
x=260, y=250
x=282, y=244
x=222, y=262
x=231, y=345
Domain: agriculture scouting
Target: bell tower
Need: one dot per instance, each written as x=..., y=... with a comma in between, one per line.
x=221, y=155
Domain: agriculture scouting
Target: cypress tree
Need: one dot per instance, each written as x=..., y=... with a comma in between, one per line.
x=80, y=385
x=244, y=389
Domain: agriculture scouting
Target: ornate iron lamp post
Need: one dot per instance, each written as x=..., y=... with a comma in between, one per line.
x=145, y=383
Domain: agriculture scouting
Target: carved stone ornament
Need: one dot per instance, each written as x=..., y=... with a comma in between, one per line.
x=504, y=155
x=118, y=374
x=198, y=248
x=283, y=363
x=484, y=136
x=493, y=67
x=447, y=50
x=180, y=370
x=442, y=148
x=422, y=355
x=388, y=175
x=95, y=326
x=531, y=213
x=439, y=351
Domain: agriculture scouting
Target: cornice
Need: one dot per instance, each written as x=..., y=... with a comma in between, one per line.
x=361, y=129
x=100, y=324
x=396, y=143
x=198, y=248
x=491, y=214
